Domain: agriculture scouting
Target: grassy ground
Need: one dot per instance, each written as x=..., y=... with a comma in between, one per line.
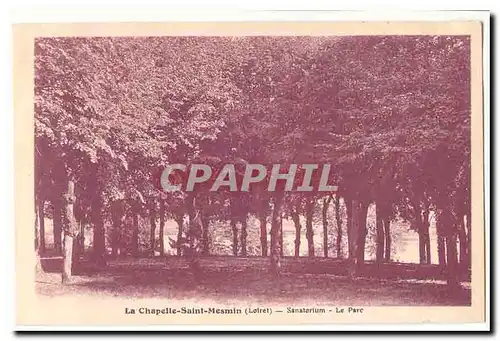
x=229, y=280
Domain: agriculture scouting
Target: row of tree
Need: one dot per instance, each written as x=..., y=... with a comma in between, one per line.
x=391, y=114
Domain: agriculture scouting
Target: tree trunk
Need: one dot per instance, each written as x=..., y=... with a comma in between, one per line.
x=244, y=236
x=421, y=245
x=339, y=227
x=296, y=222
x=468, y=231
x=67, y=258
x=135, y=232
x=447, y=229
x=275, y=231
x=427, y=240
x=326, y=204
x=98, y=240
x=309, y=228
x=99, y=233
x=451, y=255
x=205, y=222
x=57, y=224
x=234, y=227
x=77, y=248
x=152, y=222
x=441, y=246
x=41, y=222
x=426, y=234
x=462, y=238
x=81, y=237
x=451, y=260
x=180, y=224
x=263, y=229
x=388, y=240
x=350, y=239
x=162, y=227
x=422, y=226
x=353, y=236
x=282, y=249
x=194, y=234
x=117, y=218
x=37, y=230
x=363, y=212
x=419, y=227
x=203, y=207
x=70, y=231
x=379, y=254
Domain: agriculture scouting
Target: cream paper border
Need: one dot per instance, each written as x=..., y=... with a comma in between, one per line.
x=75, y=310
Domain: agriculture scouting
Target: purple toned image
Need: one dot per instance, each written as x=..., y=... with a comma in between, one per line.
x=265, y=169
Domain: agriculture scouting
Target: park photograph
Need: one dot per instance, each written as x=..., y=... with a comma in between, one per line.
x=301, y=171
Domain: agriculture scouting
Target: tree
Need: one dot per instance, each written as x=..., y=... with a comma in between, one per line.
x=324, y=212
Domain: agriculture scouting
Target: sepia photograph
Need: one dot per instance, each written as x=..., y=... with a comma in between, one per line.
x=294, y=176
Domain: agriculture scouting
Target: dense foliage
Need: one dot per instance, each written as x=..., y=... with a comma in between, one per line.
x=391, y=114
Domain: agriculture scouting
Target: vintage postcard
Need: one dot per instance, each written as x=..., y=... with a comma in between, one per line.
x=249, y=173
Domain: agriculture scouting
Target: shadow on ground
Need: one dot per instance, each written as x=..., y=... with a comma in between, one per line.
x=229, y=279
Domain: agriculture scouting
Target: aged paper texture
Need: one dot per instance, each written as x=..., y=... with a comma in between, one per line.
x=249, y=173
